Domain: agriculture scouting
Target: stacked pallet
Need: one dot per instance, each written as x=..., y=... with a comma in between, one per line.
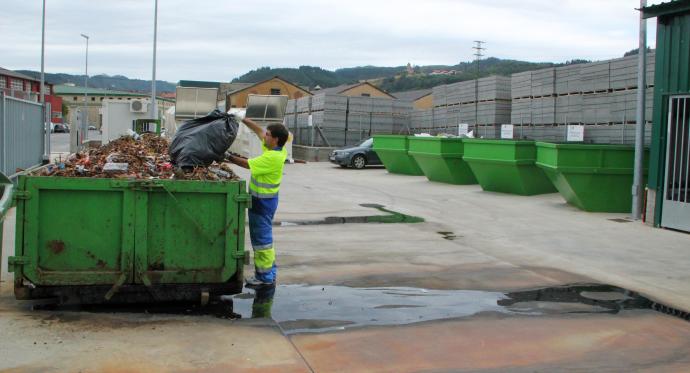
x=338, y=120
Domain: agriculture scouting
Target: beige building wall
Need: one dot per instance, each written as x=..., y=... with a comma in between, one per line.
x=365, y=89
x=426, y=102
x=273, y=86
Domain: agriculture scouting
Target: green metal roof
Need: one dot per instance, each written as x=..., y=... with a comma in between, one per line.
x=198, y=84
x=668, y=8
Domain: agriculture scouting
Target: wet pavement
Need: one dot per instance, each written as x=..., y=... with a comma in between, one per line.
x=485, y=282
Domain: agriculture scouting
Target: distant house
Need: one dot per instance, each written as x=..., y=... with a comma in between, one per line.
x=27, y=88
x=363, y=89
x=443, y=72
x=421, y=98
x=236, y=93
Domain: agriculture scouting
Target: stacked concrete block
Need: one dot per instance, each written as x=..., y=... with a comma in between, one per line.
x=493, y=112
x=462, y=92
x=544, y=110
x=651, y=64
x=596, y=108
x=623, y=73
x=303, y=104
x=440, y=94
x=329, y=118
x=402, y=107
x=381, y=105
x=421, y=119
x=494, y=88
x=620, y=133
x=569, y=109
x=521, y=111
x=568, y=79
x=623, y=105
x=594, y=77
x=360, y=104
x=291, y=107
x=544, y=82
x=440, y=117
x=468, y=113
x=324, y=101
x=521, y=85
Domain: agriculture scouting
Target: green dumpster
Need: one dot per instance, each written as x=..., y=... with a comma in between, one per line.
x=392, y=150
x=593, y=177
x=86, y=240
x=506, y=166
x=6, y=188
x=441, y=159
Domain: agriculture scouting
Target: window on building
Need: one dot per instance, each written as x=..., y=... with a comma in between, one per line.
x=75, y=98
x=17, y=84
x=93, y=99
x=101, y=98
x=275, y=91
x=129, y=98
x=119, y=98
x=3, y=84
x=366, y=95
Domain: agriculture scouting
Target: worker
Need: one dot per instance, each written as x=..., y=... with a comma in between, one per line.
x=266, y=175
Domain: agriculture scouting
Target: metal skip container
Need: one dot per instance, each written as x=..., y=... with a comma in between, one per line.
x=593, y=177
x=393, y=152
x=506, y=166
x=88, y=240
x=441, y=159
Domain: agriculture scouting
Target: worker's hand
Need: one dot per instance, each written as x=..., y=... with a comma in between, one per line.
x=238, y=114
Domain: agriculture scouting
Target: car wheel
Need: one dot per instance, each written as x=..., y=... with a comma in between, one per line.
x=359, y=162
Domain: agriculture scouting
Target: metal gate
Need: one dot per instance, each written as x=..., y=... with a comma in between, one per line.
x=24, y=139
x=676, y=208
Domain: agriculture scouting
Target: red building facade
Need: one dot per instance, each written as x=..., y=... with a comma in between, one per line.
x=27, y=88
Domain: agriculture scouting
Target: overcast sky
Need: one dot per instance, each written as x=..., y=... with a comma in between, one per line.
x=219, y=40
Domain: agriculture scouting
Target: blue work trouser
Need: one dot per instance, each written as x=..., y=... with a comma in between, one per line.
x=261, y=233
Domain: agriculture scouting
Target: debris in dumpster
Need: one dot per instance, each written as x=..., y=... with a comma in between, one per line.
x=145, y=158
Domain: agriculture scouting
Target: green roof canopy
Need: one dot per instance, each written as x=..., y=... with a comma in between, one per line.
x=665, y=9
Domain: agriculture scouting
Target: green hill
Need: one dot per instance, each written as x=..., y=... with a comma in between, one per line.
x=395, y=79
x=117, y=82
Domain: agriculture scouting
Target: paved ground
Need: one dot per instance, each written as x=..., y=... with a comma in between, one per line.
x=488, y=243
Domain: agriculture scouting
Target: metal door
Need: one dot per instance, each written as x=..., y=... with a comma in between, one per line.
x=676, y=207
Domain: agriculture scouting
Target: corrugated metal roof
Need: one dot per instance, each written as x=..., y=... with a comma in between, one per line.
x=667, y=8
x=74, y=90
x=342, y=88
x=412, y=95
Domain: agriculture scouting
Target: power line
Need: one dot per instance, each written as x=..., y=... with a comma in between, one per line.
x=478, y=49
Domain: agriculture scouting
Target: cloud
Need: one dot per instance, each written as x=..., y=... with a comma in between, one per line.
x=220, y=40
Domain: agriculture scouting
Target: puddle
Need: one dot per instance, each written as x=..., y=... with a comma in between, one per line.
x=391, y=217
x=305, y=309
x=300, y=309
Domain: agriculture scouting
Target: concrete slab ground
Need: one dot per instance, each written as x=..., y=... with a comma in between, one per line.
x=470, y=240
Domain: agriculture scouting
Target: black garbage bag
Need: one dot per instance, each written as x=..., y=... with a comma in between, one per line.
x=199, y=142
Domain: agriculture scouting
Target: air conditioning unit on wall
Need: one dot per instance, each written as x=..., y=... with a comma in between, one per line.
x=138, y=106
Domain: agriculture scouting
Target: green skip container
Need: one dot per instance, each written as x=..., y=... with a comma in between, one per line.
x=506, y=166
x=593, y=177
x=441, y=159
x=392, y=150
x=88, y=240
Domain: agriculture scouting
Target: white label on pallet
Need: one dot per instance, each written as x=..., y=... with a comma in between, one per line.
x=506, y=131
x=463, y=128
x=310, y=121
x=576, y=133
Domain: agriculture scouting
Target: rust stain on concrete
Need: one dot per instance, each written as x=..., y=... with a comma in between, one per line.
x=590, y=343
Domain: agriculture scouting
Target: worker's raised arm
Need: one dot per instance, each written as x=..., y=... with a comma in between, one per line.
x=254, y=127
